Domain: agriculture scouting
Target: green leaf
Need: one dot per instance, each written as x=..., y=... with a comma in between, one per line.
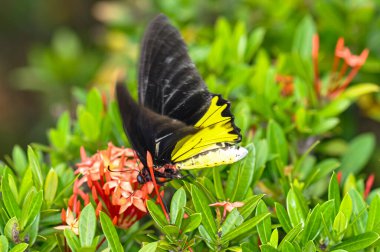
x=340, y=223
x=273, y=241
x=346, y=207
x=359, y=211
x=191, y=223
x=358, y=90
x=88, y=124
x=218, y=183
x=312, y=225
x=241, y=176
x=157, y=214
x=373, y=222
x=19, y=160
x=31, y=208
x=302, y=43
x=71, y=239
x=110, y=233
x=267, y=248
x=50, y=187
x=263, y=228
x=358, y=242
x=87, y=226
x=94, y=104
x=150, y=247
x=8, y=198
x=358, y=153
x=295, y=209
x=233, y=220
x=277, y=141
x=244, y=228
x=291, y=235
x=201, y=205
x=283, y=217
x=19, y=247
x=309, y=247
x=4, y=244
x=334, y=192
x=178, y=202
x=36, y=168
x=171, y=230
x=288, y=247
x=249, y=205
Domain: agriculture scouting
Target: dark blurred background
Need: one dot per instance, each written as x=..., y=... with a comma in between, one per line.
x=50, y=51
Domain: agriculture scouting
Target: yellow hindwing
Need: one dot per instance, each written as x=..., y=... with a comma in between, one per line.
x=214, y=129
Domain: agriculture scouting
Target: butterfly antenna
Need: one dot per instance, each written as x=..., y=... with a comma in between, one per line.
x=150, y=166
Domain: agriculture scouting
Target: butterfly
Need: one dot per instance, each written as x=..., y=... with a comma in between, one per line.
x=177, y=120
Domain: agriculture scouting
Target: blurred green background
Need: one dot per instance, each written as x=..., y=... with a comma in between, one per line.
x=52, y=51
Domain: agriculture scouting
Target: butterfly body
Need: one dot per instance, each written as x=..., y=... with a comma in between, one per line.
x=177, y=120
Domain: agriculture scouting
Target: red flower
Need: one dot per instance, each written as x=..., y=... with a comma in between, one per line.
x=339, y=79
x=111, y=176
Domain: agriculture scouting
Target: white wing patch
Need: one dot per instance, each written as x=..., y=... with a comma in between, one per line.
x=213, y=157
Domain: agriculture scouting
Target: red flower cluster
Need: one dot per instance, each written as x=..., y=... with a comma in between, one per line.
x=111, y=178
x=339, y=78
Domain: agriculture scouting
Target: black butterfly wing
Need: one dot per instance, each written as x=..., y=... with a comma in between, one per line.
x=149, y=131
x=169, y=83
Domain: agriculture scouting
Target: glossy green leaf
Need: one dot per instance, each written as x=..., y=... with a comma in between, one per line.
x=273, y=241
x=88, y=124
x=288, y=247
x=277, y=141
x=291, y=235
x=309, y=247
x=4, y=244
x=245, y=227
x=263, y=228
x=267, y=248
x=87, y=226
x=295, y=210
x=373, y=222
x=358, y=242
x=110, y=233
x=283, y=217
x=157, y=215
x=21, y=247
x=218, y=183
x=312, y=225
x=31, y=207
x=233, y=220
x=71, y=239
x=358, y=153
x=302, y=43
x=249, y=205
x=36, y=168
x=334, y=192
x=191, y=222
x=19, y=160
x=50, y=187
x=8, y=198
x=201, y=205
x=178, y=202
x=359, y=211
x=241, y=176
x=150, y=247
x=171, y=230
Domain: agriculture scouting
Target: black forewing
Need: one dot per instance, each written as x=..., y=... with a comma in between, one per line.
x=169, y=83
x=149, y=131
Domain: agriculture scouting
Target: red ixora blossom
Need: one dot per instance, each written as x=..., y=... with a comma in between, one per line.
x=110, y=177
x=339, y=78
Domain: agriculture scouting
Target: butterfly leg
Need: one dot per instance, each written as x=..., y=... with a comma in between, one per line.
x=150, y=166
